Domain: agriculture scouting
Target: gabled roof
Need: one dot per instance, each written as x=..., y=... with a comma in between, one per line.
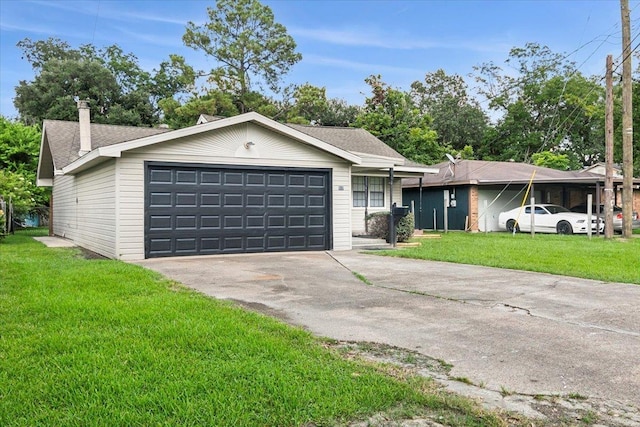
x=61, y=143
x=482, y=172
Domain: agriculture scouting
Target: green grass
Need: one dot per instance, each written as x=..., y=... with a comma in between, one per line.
x=615, y=260
x=101, y=342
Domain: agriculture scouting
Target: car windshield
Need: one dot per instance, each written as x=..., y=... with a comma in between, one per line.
x=554, y=209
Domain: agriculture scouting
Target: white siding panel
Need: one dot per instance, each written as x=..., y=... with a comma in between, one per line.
x=131, y=208
x=64, y=206
x=229, y=143
x=341, y=200
x=96, y=199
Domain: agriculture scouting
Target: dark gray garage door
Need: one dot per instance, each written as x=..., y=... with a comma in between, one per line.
x=198, y=210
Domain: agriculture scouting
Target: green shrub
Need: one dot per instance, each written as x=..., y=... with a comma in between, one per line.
x=405, y=227
x=378, y=226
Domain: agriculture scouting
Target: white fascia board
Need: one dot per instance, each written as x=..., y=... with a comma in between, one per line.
x=93, y=157
x=44, y=182
x=372, y=158
x=376, y=163
x=418, y=169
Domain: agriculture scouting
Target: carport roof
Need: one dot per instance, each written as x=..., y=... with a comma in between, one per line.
x=482, y=172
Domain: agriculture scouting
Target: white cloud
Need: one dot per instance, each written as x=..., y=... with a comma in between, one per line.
x=354, y=65
x=25, y=28
x=168, y=41
x=375, y=39
x=363, y=38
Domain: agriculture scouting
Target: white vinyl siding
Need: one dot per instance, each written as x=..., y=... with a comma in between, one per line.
x=96, y=198
x=64, y=206
x=84, y=209
x=226, y=147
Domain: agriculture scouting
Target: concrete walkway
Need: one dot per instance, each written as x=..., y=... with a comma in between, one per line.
x=55, y=242
x=508, y=330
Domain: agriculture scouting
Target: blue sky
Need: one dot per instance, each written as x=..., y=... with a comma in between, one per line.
x=342, y=42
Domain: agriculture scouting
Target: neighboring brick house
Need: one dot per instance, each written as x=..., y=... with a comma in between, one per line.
x=476, y=191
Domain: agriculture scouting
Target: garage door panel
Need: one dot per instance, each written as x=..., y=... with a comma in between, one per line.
x=186, y=177
x=211, y=200
x=193, y=209
x=209, y=178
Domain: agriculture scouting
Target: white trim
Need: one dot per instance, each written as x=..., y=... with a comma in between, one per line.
x=417, y=169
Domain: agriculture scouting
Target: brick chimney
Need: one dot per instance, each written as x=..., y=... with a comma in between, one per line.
x=84, y=117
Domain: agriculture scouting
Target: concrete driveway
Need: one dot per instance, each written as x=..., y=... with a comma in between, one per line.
x=527, y=333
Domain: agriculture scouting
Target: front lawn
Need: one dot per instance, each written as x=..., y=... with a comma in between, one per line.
x=100, y=342
x=616, y=260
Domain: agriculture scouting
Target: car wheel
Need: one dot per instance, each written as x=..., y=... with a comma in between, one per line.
x=564, y=227
x=511, y=225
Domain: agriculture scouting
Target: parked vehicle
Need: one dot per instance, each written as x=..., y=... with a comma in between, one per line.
x=617, y=216
x=547, y=219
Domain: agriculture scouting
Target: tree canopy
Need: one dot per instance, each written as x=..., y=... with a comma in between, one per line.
x=118, y=89
x=248, y=44
x=548, y=106
x=19, y=149
x=543, y=109
x=391, y=115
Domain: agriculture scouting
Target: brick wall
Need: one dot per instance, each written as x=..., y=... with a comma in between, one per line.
x=473, y=208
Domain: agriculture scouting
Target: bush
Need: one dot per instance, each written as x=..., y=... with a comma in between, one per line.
x=378, y=226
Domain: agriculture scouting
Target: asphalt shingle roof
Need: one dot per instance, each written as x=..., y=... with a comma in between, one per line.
x=349, y=139
x=488, y=172
x=63, y=138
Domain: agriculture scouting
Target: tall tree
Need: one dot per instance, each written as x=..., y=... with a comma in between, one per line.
x=547, y=106
x=214, y=103
x=250, y=47
x=390, y=115
x=456, y=117
x=311, y=105
x=120, y=91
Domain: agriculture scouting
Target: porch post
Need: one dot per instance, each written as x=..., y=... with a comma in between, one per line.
x=420, y=204
x=366, y=205
x=392, y=228
x=598, y=214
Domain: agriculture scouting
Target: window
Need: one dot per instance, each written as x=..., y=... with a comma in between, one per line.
x=376, y=191
x=359, y=192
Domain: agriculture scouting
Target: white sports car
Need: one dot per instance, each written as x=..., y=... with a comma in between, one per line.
x=547, y=219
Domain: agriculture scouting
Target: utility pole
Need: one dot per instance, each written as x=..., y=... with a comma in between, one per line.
x=608, y=142
x=627, y=123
